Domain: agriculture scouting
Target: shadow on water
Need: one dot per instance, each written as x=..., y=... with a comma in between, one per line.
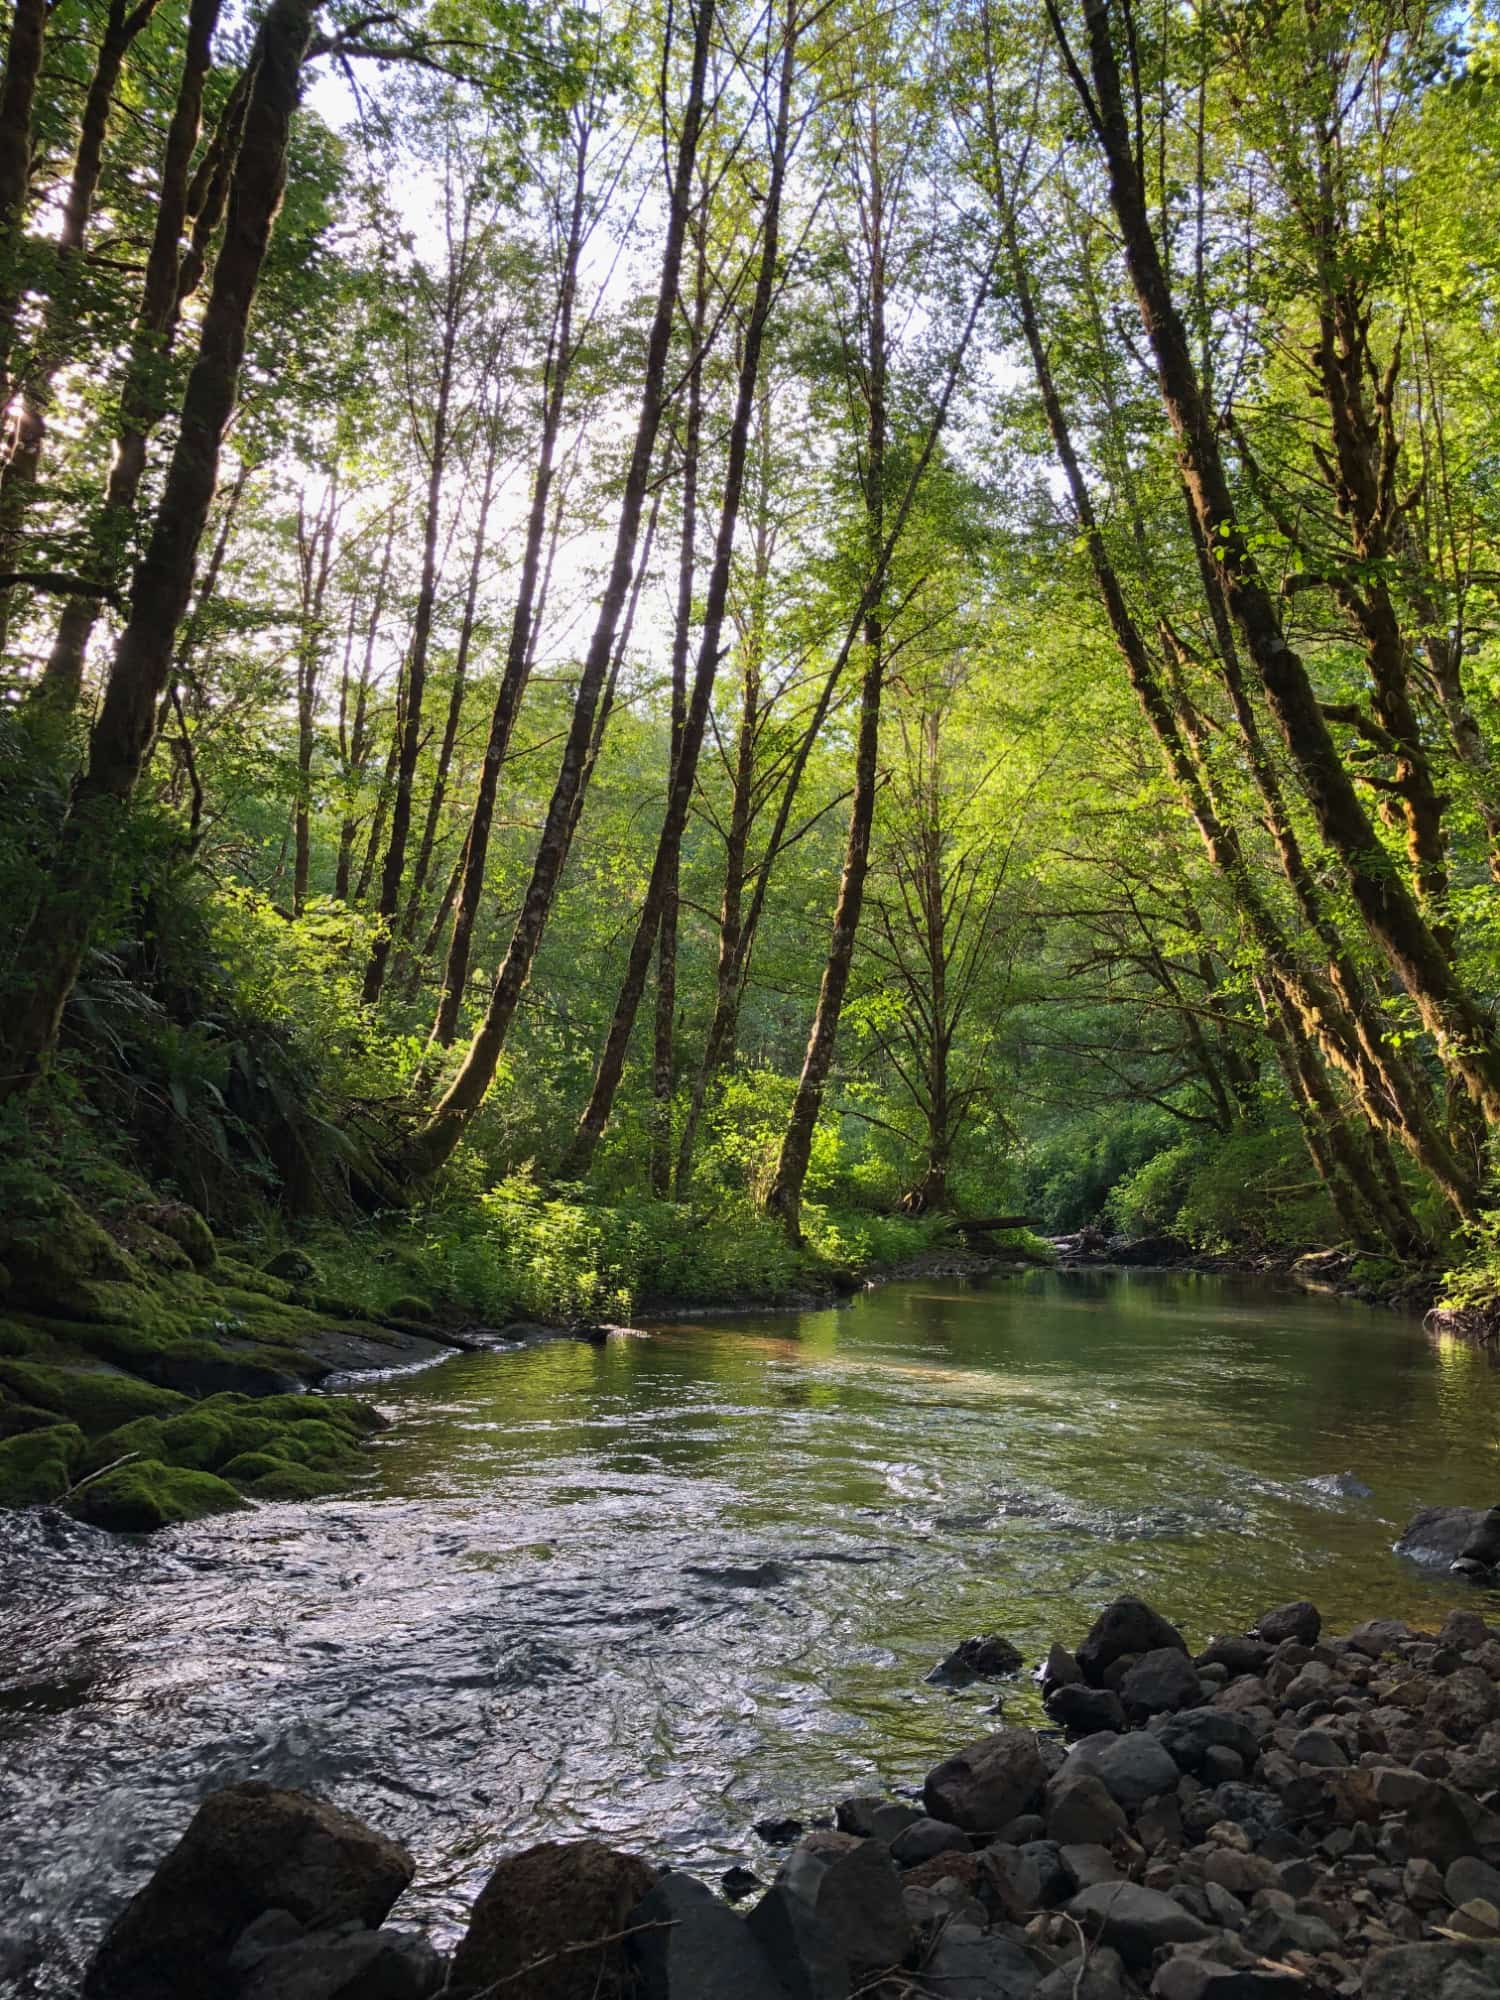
x=655, y=1589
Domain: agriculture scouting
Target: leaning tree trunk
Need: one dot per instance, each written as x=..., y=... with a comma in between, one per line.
x=434, y=1140
x=1465, y=1039
x=84, y=877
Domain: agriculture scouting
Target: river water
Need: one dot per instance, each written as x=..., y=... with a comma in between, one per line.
x=658, y=1588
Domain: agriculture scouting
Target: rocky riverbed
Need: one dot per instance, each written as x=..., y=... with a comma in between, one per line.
x=1289, y=1813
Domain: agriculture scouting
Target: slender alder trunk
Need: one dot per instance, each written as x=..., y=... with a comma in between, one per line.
x=524, y=619
x=394, y=868
x=383, y=796
x=434, y=1140
x=439, y=792
x=1349, y=1212
x=23, y=66
x=1465, y=1038
x=355, y=748
x=60, y=319
x=663, y=1065
x=685, y=770
x=141, y=397
x=83, y=880
x=784, y=1198
x=316, y=556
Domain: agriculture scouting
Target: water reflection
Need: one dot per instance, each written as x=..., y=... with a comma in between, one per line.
x=658, y=1588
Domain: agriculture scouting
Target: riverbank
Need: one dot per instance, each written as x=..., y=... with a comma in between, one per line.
x=1283, y=1813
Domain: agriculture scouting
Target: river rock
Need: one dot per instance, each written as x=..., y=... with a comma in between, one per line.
x=346, y=1965
x=1438, y=1536
x=1432, y=1972
x=976, y=1660
x=1124, y=1628
x=971, y=1964
x=1085, y=1711
x=1470, y=1880
x=248, y=1849
x=985, y=1786
x=1058, y=1670
x=1190, y=1734
x=1302, y=1621
x=1103, y=1978
x=687, y=1945
x=1081, y=1810
x=835, y=1913
x=1462, y=1704
x=1160, y=1681
x=1236, y=1655
x=1136, y=1922
x=869, y=1818
x=1132, y=1768
x=1191, y=1975
x=923, y=1839
x=539, y=1904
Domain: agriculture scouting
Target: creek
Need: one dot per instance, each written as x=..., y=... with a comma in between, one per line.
x=657, y=1588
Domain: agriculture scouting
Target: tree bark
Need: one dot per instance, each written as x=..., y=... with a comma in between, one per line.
x=84, y=875
x=315, y=558
x=394, y=868
x=141, y=399
x=434, y=1140
x=1465, y=1038
x=518, y=654
x=354, y=747
x=23, y=66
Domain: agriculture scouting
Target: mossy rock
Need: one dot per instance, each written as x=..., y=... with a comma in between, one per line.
x=52, y=1247
x=140, y=1439
x=17, y=1416
x=409, y=1308
x=97, y=1399
x=271, y=1478
x=37, y=1466
x=188, y=1230
x=144, y=1495
x=295, y=1267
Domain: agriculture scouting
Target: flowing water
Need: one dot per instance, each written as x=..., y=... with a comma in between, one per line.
x=658, y=1588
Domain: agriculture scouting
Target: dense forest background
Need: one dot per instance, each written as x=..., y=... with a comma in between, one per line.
x=635, y=636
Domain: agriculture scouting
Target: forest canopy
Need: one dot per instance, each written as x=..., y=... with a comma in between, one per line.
x=754, y=618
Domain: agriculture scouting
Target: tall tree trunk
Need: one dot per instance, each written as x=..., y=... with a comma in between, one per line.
x=383, y=796
x=315, y=556
x=519, y=650
x=394, y=868
x=784, y=1198
x=60, y=319
x=434, y=1140
x=663, y=1068
x=23, y=66
x=1465, y=1039
x=439, y=793
x=685, y=767
x=141, y=397
x=355, y=748
x=84, y=874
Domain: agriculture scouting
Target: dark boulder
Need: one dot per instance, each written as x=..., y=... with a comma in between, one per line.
x=834, y=1917
x=1160, y=1682
x=1438, y=1536
x=687, y=1945
x=985, y=1659
x=347, y=1964
x=247, y=1849
x=1122, y=1630
x=987, y=1785
x=1301, y=1621
x=537, y=1908
x=1084, y=1711
x=1134, y=1921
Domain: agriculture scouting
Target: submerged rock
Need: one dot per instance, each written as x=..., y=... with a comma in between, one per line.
x=976, y=1660
x=248, y=1849
x=1438, y=1536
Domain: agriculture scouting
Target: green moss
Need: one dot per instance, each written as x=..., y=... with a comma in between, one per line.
x=295, y=1266
x=18, y=1416
x=96, y=1399
x=270, y=1478
x=140, y=1439
x=38, y=1465
x=187, y=1228
x=135, y=1498
x=409, y=1308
